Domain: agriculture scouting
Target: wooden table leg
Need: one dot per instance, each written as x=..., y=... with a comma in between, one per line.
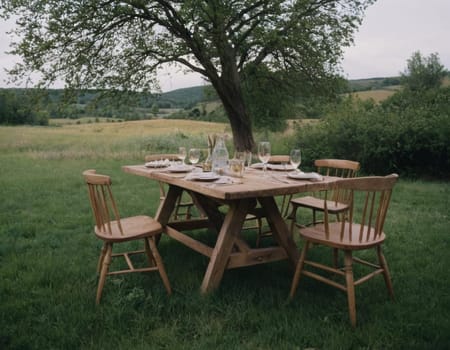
x=279, y=228
x=211, y=209
x=232, y=225
x=167, y=206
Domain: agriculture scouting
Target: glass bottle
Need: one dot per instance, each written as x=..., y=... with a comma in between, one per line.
x=220, y=156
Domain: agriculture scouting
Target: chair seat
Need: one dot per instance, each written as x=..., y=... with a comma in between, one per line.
x=133, y=227
x=316, y=234
x=318, y=203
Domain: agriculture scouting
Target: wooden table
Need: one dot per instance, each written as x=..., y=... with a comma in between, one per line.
x=230, y=250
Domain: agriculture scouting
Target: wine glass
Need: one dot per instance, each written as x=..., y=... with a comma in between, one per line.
x=182, y=154
x=194, y=155
x=248, y=158
x=264, y=154
x=295, y=158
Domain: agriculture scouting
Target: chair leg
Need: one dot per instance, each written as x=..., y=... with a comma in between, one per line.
x=335, y=258
x=259, y=235
x=176, y=213
x=348, y=262
x=293, y=217
x=188, y=213
x=298, y=269
x=160, y=265
x=386, y=274
x=101, y=258
x=148, y=252
x=106, y=261
x=285, y=205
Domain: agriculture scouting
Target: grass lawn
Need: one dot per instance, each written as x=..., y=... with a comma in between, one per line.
x=48, y=258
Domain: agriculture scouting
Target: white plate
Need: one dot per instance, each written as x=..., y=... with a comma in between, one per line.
x=257, y=165
x=180, y=168
x=207, y=176
x=305, y=176
x=281, y=167
x=157, y=164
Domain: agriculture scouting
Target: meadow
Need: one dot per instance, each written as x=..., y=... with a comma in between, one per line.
x=48, y=258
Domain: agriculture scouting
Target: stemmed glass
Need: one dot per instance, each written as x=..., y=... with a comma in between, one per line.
x=182, y=154
x=248, y=158
x=264, y=154
x=296, y=159
x=194, y=155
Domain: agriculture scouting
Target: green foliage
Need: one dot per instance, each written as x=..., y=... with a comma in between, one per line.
x=408, y=134
x=273, y=97
x=20, y=107
x=423, y=73
x=423, y=131
x=267, y=97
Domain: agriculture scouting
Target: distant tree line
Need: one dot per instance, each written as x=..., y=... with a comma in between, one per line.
x=20, y=107
x=36, y=107
x=372, y=84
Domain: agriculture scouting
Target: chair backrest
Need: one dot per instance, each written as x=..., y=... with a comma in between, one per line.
x=102, y=201
x=340, y=168
x=337, y=167
x=368, y=204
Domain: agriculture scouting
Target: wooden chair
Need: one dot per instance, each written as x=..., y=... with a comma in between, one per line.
x=183, y=207
x=329, y=167
x=111, y=229
x=258, y=214
x=359, y=228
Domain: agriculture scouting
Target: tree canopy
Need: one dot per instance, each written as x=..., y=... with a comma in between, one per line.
x=112, y=44
x=423, y=73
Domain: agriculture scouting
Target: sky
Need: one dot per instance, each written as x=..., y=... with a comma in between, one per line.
x=391, y=31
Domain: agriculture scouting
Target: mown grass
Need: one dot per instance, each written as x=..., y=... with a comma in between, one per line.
x=48, y=257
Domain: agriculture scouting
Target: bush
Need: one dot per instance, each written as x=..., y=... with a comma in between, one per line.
x=407, y=134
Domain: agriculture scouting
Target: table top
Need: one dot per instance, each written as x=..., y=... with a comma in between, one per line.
x=252, y=184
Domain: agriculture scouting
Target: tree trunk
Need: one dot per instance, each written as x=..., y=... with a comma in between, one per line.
x=229, y=91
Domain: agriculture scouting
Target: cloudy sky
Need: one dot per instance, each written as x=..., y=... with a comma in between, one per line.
x=391, y=31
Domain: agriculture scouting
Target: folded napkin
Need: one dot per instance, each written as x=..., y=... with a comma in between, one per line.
x=305, y=176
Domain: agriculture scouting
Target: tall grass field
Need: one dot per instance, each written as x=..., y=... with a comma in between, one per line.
x=48, y=257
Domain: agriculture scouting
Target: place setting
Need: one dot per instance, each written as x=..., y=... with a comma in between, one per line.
x=176, y=164
x=169, y=166
x=212, y=179
x=230, y=174
x=156, y=164
x=203, y=176
x=181, y=166
x=295, y=158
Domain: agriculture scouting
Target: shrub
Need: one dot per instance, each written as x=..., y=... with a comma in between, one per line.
x=407, y=134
